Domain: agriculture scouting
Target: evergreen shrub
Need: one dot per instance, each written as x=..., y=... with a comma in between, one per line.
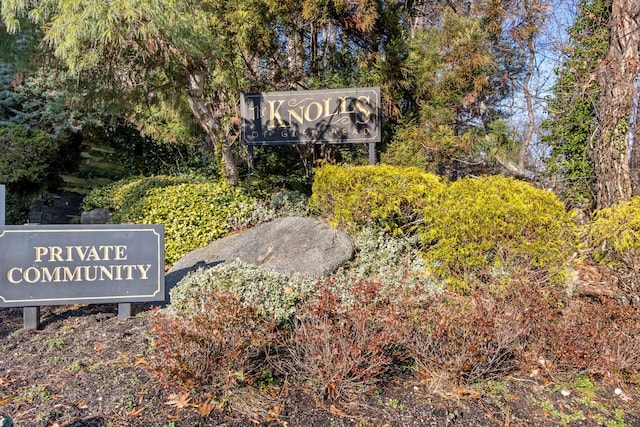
x=193, y=215
x=395, y=262
x=275, y=295
x=26, y=158
x=386, y=196
x=489, y=226
x=120, y=196
x=268, y=207
x=613, y=239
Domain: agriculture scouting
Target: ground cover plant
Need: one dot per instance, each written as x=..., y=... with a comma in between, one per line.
x=380, y=342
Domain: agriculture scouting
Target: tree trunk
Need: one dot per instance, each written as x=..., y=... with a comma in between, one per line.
x=616, y=77
x=634, y=168
x=528, y=97
x=211, y=126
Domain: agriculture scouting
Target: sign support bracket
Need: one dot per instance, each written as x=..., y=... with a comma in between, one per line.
x=31, y=317
x=124, y=310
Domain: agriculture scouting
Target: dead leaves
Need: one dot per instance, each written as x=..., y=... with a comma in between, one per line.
x=141, y=361
x=183, y=401
x=136, y=412
x=206, y=408
x=179, y=401
x=7, y=399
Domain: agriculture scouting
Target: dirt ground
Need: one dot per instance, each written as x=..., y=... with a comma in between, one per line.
x=85, y=367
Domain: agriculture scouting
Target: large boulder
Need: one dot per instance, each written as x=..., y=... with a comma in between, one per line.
x=292, y=245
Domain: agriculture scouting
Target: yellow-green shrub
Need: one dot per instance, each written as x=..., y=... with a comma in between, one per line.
x=119, y=196
x=613, y=237
x=193, y=214
x=495, y=222
x=382, y=195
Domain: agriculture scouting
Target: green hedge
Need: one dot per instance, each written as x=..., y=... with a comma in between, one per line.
x=193, y=212
x=193, y=215
x=121, y=195
x=613, y=237
x=382, y=195
x=493, y=224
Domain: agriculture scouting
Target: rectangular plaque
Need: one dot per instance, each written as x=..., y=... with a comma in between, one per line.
x=311, y=116
x=81, y=264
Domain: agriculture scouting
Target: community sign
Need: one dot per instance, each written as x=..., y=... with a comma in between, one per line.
x=311, y=117
x=56, y=265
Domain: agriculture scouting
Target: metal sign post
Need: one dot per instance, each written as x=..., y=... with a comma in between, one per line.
x=2, y=205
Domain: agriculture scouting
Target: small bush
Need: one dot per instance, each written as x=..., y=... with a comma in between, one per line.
x=340, y=349
x=597, y=337
x=193, y=214
x=485, y=335
x=613, y=239
x=275, y=295
x=466, y=338
x=121, y=196
x=218, y=349
x=483, y=228
x=385, y=196
x=276, y=205
x=395, y=262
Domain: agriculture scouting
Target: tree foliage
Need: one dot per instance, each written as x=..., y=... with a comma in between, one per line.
x=453, y=69
x=572, y=122
x=593, y=119
x=159, y=61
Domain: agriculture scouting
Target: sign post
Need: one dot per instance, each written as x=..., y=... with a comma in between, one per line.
x=2, y=205
x=80, y=264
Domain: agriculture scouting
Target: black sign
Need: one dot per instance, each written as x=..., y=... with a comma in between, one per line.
x=310, y=117
x=81, y=264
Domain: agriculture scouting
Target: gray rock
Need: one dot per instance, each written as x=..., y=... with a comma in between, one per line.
x=292, y=245
x=95, y=216
x=6, y=421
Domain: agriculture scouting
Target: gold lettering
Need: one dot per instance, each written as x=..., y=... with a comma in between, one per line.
x=294, y=115
x=27, y=277
x=274, y=114
x=105, y=252
x=48, y=276
x=93, y=254
x=343, y=106
x=129, y=270
x=55, y=253
x=143, y=271
x=327, y=108
x=120, y=254
x=307, y=112
x=106, y=272
x=40, y=252
x=87, y=277
x=10, y=275
x=76, y=276
x=362, y=107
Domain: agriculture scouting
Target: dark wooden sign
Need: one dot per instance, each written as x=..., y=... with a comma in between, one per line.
x=81, y=264
x=310, y=117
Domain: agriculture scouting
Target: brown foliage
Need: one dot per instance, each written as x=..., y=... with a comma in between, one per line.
x=341, y=348
x=218, y=349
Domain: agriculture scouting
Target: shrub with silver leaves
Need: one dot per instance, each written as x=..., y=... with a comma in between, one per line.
x=276, y=295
